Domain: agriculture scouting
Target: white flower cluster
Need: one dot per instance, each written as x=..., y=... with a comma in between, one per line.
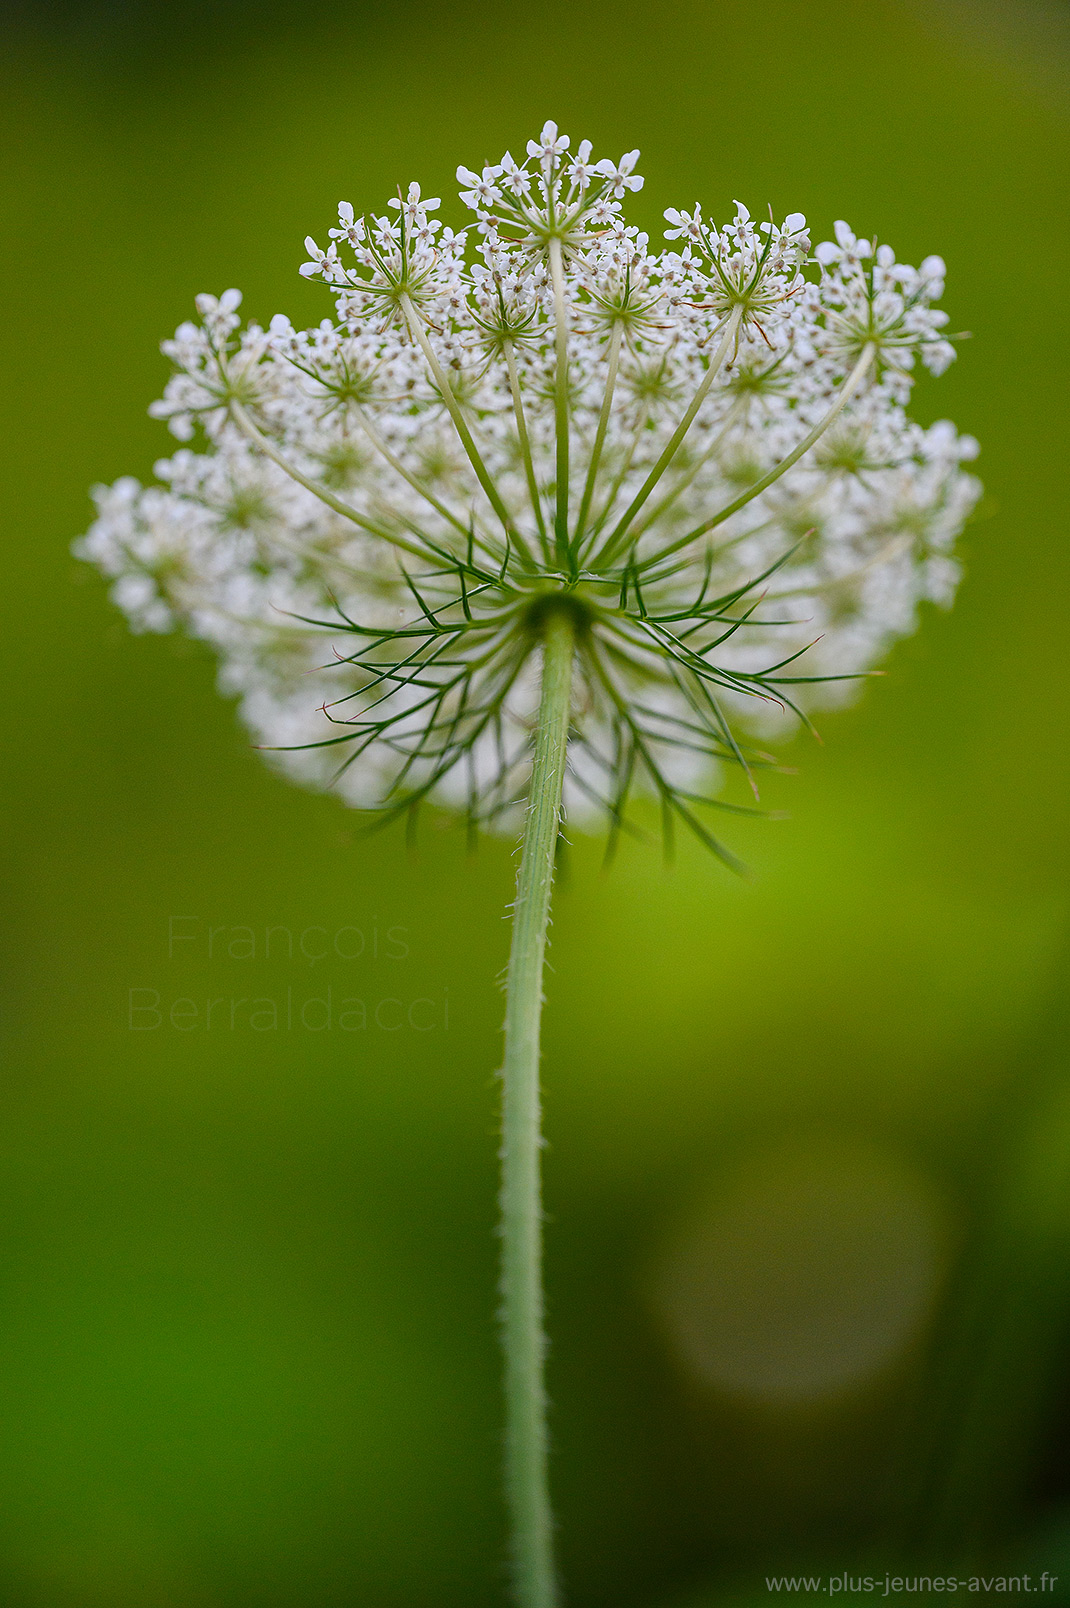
x=700, y=452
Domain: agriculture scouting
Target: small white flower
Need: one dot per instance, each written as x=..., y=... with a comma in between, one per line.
x=550, y=145
x=516, y=179
x=349, y=228
x=620, y=175
x=580, y=170
x=211, y=307
x=482, y=192
x=413, y=204
x=323, y=263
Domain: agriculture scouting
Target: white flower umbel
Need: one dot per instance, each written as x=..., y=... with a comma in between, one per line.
x=546, y=515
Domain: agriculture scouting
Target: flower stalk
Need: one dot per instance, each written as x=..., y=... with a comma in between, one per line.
x=523, y=1330
x=561, y=419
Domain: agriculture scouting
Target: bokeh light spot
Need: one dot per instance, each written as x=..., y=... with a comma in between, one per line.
x=805, y=1273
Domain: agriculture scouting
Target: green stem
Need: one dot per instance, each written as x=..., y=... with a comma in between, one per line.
x=525, y=444
x=521, y=1192
x=557, y=277
x=600, y=435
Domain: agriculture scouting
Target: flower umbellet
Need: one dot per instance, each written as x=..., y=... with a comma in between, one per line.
x=546, y=516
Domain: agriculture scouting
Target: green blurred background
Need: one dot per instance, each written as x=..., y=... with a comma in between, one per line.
x=808, y=1172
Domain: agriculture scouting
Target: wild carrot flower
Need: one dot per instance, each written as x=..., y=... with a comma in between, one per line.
x=540, y=487
x=701, y=452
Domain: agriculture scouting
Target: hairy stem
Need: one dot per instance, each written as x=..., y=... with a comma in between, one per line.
x=521, y=1191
